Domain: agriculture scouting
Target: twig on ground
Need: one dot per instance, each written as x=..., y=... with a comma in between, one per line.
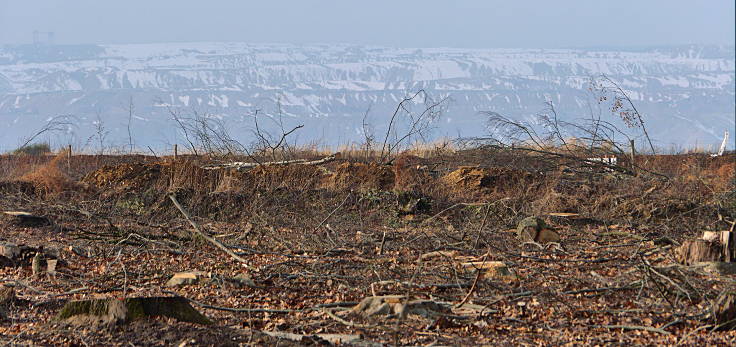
x=205, y=236
x=333, y=212
x=475, y=282
x=329, y=313
x=634, y=327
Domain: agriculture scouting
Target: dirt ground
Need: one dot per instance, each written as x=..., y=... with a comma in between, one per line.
x=319, y=239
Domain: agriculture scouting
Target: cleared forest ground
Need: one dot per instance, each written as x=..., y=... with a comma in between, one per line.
x=319, y=239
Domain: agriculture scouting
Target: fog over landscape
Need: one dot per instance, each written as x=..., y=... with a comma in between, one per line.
x=91, y=66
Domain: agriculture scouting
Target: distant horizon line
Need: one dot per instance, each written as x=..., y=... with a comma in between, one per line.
x=317, y=43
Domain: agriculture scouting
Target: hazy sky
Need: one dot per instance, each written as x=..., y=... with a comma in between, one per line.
x=424, y=23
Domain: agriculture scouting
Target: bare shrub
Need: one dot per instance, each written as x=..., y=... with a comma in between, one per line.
x=49, y=179
x=54, y=125
x=407, y=126
x=206, y=134
x=34, y=149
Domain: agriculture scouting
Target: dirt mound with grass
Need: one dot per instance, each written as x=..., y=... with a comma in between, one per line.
x=50, y=180
x=134, y=175
x=161, y=175
x=495, y=179
x=283, y=177
x=361, y=176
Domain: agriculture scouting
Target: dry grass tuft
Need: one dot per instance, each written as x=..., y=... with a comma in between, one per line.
x=49, y=179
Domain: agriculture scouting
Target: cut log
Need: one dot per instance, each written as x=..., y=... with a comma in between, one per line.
x=439, y=255
x=12, y=255
x=491, y=269
x=187, y=277
x=116, y=311
x=563, y=214
x=242, y=165
x=726, y=239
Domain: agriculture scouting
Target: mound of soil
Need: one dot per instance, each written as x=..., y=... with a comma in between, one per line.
x=289, y=177
x=134, y=175
x=494, y=179
x=362, y=177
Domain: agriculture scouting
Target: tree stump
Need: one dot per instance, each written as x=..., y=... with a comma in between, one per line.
x=116, y=311
x=713, y=246
x=25, y=219
x=533, y=229
x=724, y=311
x=696, y=251
x=7, y=297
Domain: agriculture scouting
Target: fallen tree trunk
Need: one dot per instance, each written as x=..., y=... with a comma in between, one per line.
x=244, y=165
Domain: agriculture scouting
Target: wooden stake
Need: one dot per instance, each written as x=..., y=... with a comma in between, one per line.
x=69, y=157
x=176, y=151
x=632, y=155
